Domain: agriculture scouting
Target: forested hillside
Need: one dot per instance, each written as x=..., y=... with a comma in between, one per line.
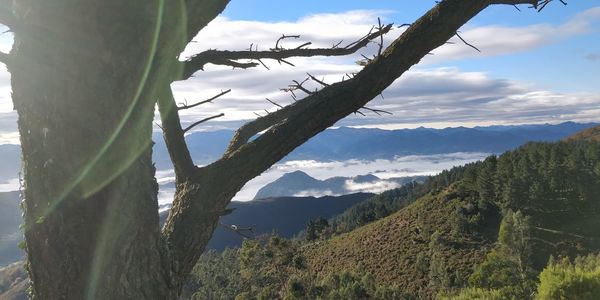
x=484, y=230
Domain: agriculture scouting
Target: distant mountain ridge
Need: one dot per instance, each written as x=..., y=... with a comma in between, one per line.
x=357, y=143
x=350, y=143
x=370, y=143
x=299, y=183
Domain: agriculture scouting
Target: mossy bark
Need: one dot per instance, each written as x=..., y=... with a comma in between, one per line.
x=80, y=86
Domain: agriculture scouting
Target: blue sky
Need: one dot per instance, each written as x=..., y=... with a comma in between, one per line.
x=562, y=66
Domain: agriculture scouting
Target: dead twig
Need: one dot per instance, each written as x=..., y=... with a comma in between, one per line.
x=202, y=121
x=210, y=100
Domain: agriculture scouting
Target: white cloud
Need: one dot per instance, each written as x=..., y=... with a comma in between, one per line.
x=421, y=96
x=500, y=39
x=432, y=96
x=413, y=165
x=10, y=185
x=375, y=187
x=315, y=193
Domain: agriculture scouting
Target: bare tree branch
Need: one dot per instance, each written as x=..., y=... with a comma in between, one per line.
x=4, y=58
x=244, y=133
x=201, y=12
x=321, y=82
x=210, y=100
x=283, y=37
x=516, y=2
x=377, y=111
x=174, y=135
x=296, y=123
x=232, y=63
x=201, y=199
x=466, y=43
x=198, y=61
x=202, y=121
x=274, y=103
x=380, y=28
x=542, y=4
x=239, y=230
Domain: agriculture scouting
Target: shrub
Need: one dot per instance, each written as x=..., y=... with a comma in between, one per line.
x=571, y=280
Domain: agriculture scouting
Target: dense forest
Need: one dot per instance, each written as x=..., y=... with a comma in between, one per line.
x=522, y=225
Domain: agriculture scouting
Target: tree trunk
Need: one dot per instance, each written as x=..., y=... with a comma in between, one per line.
x=85, y=118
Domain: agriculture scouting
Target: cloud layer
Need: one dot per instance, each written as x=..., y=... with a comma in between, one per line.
x=425, y=95
x=403, y=166
x=413, y=165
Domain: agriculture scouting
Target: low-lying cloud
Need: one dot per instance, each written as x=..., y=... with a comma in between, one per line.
x=413, y=165
x=402, y=166
x=376, y=186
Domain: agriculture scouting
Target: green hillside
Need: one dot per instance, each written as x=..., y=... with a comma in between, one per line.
x=485, y=230
x=556, y=185
x=396, y=249
x=590, y=134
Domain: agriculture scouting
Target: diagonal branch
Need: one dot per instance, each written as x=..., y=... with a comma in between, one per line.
x=239, y=230
x=210, y=100
x=274, y=103
x=5, y=58
x=174, y=135
x=202, y=121
x=543, y=3
x=248, y=130
x=218, y=57
x=467, y=43
x=533, y=3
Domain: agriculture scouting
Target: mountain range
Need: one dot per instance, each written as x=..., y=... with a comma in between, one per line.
x=368, y=143
x=355, y=143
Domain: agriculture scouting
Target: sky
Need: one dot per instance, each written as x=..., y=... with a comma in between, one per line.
x=533, y=67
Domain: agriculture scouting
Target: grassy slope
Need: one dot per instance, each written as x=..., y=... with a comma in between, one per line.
x=389, y=247
x=591, y=134
x=13, y=282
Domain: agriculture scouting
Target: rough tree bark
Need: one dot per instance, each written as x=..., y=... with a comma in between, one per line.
x=85, y=78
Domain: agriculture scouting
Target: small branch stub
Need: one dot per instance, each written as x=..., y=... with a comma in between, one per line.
x=210, y=100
